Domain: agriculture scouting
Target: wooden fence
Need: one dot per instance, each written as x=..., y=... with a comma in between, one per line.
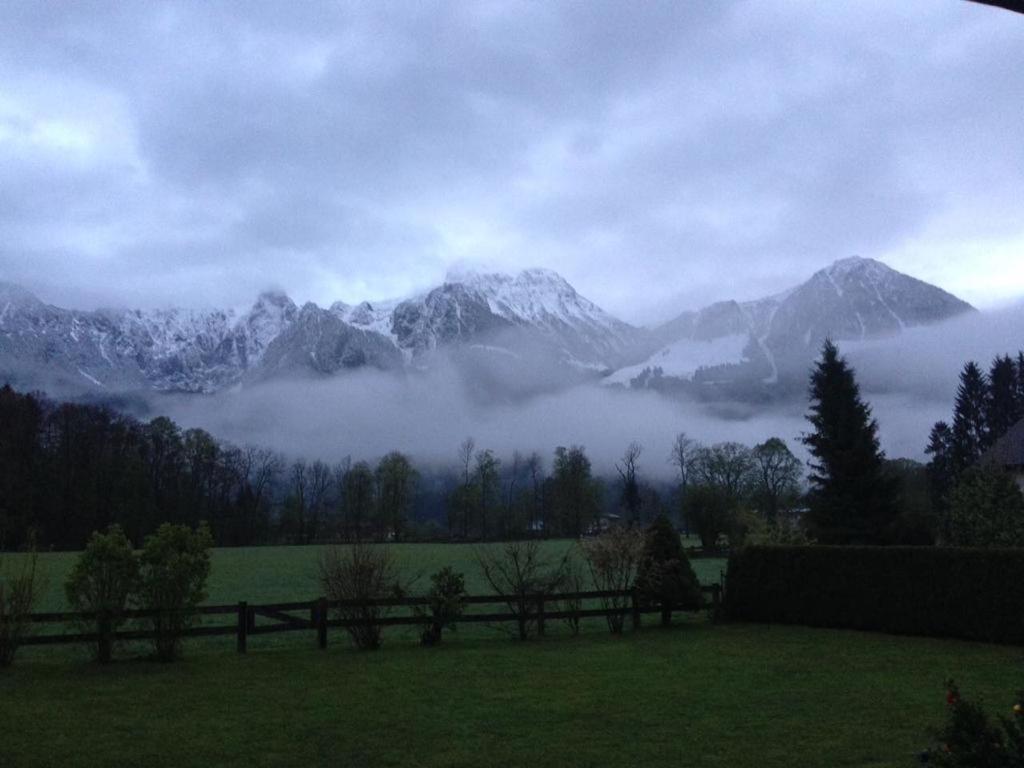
x=315, y=616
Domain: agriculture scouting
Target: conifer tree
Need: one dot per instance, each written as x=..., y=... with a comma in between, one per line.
x=940, y=468
x=852, y=499
x=665, y=576
x=1020, y=381
x=970, y=435
x=1003, y=407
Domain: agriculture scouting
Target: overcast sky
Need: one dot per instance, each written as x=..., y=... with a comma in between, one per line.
x=659, y=155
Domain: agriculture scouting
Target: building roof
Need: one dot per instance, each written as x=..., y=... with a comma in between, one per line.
x=1009, y=449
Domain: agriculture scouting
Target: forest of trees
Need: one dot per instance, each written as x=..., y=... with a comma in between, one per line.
x=976, y=501
x=69, y=469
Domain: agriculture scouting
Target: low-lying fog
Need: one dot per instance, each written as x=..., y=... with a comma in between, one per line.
x=910, y=381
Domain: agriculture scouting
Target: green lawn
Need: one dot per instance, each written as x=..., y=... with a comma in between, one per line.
x=697, y=695
x=285, y=574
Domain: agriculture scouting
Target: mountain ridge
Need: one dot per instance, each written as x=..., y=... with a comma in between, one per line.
x=534, y=317
x=773, y=338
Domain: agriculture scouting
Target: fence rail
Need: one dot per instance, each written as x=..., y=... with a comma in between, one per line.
x=533, y=607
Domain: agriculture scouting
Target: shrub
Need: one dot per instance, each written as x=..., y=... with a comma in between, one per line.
x=18, y=590
x=665, y=576
x=973, y=594
x=613, y=559
x=969, y=739
x=782, y=531
x=986, y=510
x=360, y=573
x=447, y=590
x=518, y=572
x=102, y=582
x=173, y=568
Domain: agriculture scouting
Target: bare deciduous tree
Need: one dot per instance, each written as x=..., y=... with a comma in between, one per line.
x=681, y=457
x=519, y=572
x=631, y=499
x=613, y=559
x=357, y=574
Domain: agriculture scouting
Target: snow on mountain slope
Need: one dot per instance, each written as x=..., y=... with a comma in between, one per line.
x=544, y=301
x=854, y=298
x=683, y=358
x=206, y=350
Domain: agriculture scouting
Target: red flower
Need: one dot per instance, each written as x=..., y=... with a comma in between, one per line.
x=951, y=698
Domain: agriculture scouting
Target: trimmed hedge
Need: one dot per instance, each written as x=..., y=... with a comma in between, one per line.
x=974, y=594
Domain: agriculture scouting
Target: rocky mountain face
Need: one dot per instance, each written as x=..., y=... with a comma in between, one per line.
x=738, y=347
x=529, y=332
x=535, y=315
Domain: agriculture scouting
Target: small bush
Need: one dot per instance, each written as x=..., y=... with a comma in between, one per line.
x=986, y=509
x=173, y=568
x=361, y=572
x=665, y=576
x=18, y=590
x=102, y=582
x=969, y=739
x=613, y=559
x=447, y=590
x=974, y=594
x=518, y=572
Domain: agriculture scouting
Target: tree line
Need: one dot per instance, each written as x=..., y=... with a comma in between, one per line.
x=978, y=502
x=69, y=469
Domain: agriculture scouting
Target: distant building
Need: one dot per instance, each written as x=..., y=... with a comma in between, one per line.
x=603, y=523
x=1008, y=452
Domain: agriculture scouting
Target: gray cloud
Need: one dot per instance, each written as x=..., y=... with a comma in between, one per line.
x=660, y=155
x=909, y=380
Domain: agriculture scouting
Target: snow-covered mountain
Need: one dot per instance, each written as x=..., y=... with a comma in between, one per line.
x=535, y=315
x=734, y=346
x=505, y=333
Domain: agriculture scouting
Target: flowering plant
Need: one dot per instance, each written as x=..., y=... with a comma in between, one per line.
x=969, y=739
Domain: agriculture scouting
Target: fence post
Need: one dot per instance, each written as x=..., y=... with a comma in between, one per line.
x=321, y=622
x=636, y=608
x=103, y=653
x=540, y=615
x=243, y=626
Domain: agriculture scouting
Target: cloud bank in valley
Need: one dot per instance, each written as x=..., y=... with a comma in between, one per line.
x=910, y=381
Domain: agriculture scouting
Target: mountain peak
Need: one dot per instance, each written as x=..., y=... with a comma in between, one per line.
x=274, y=297
x=15, y=295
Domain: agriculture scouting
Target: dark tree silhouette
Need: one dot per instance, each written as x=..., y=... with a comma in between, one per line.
x=940, y=470
x=630, y=499
x=665, y=576
x=970, y=433
x=852, y=499
x=1003, y=405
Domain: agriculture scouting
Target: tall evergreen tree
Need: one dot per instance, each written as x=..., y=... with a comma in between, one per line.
x=852, y=499
x=940, y=470
x=970, y=435
x=1003, y=406
x=1020, y=381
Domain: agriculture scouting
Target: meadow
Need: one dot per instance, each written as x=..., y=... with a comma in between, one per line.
x=697, y=694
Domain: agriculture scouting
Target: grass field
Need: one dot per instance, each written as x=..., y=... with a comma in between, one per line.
x=283, y=574
x=696, y=695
